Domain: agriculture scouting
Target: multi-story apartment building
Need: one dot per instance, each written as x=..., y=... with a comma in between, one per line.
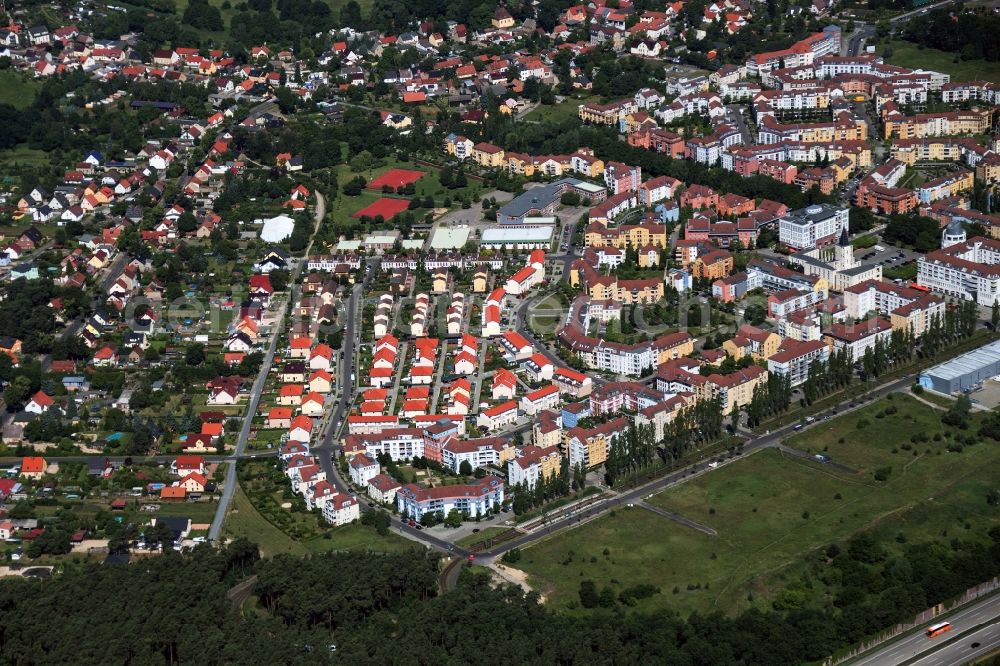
x=477, y=452
x=472, y=499
x=810, y=227
x=532, y=464
x=794, y=358
x=969, y=270
x=397, y=443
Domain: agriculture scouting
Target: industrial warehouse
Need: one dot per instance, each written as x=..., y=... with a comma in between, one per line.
x=964, y=373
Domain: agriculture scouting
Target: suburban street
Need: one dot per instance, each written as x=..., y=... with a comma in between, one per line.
x=229, y=485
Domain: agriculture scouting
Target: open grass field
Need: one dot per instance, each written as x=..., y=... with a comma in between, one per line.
x=906, y=54
x=774, y=512
x=245, y=521
x=16, y=89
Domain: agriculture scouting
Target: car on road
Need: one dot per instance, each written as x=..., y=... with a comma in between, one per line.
x=412, y=523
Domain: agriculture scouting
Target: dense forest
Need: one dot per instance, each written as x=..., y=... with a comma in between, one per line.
x=385, y=609
x=973, y=35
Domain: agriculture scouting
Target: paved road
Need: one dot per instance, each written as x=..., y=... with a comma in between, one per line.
x=857, y=40
x=326, y=451
x=449, y=575
x=961, y=650
x=948, y=648
x=113, y=271
x=866, y=31
x=229, y=486
x=917, y=12
x=162, y=459
x=734, y=114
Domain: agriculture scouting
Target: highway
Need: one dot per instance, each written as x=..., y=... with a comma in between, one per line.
x=948, y=648
x=229, y=485
x=961, y=650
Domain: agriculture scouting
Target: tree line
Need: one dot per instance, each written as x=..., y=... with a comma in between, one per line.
x=972, y=34
x=386, y=609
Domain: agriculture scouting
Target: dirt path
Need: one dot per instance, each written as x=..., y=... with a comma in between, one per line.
x=511, y=575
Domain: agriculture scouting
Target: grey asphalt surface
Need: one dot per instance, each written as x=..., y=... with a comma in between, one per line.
x=948, y=648
x=961, y=650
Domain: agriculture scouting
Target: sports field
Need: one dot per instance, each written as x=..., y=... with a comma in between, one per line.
x=386, y=207
x=395, y=178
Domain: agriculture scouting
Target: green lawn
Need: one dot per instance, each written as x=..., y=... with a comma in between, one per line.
x=774, y=512
x=481, y=535
x=16, y=89
x=906, y=54
x=22, y=155
x=568, y=108
x=244, y=520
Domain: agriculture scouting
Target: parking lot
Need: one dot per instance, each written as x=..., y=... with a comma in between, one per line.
x=889, y=256
x=988, y=396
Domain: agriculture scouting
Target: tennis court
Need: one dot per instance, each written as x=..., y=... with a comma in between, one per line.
x=395, y=178
x=387, y=208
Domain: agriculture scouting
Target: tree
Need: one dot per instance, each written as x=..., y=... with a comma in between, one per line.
x=17, y=392
x=161, y=536
x=362, y=161
x=187, y=223
x=958, y=414
x=203, y=16
x=465, y=468
x=195, y=355
x=350, y=15
x=279, y=279
x=512, y=556
x=588, y=594
x=995, y=315
x=286, y=99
